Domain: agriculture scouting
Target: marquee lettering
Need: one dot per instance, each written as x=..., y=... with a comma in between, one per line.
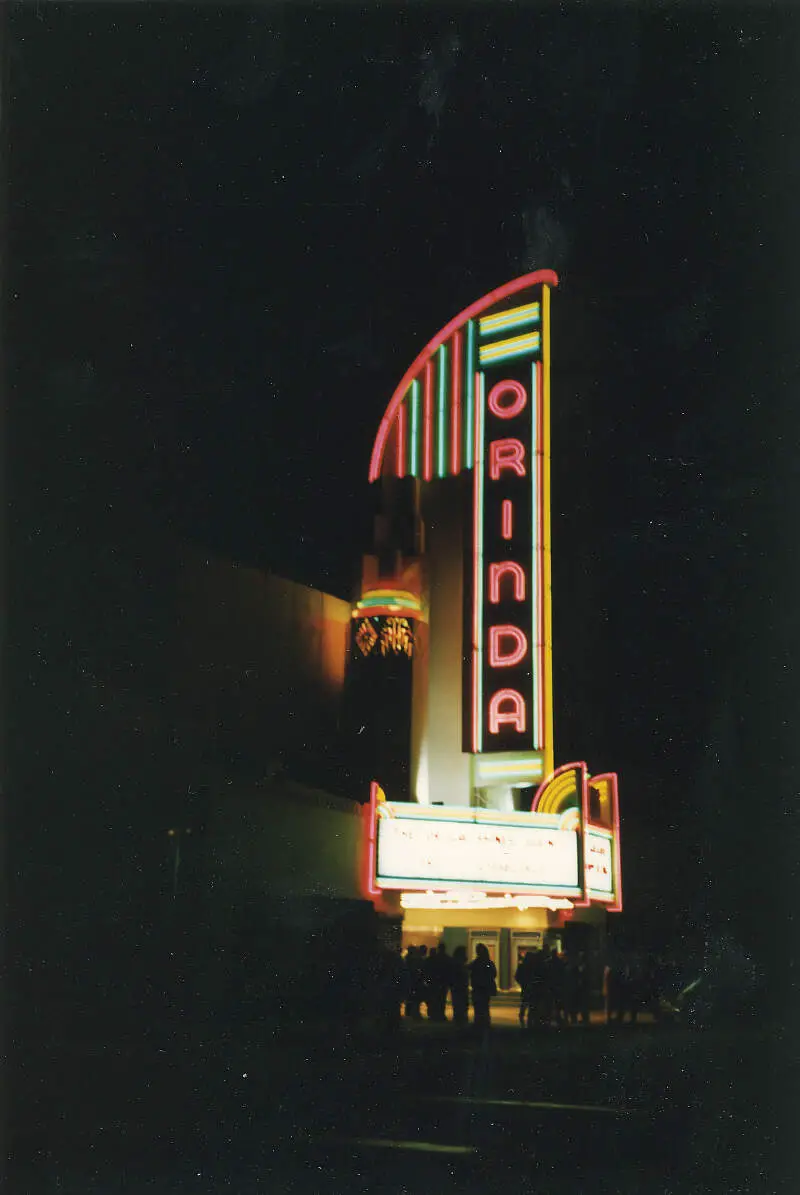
x=515, y=716
x=500, y=658
x=506, y=454
x=518, y=401
x=508, y=518
x=496, y=574
x=507, y=645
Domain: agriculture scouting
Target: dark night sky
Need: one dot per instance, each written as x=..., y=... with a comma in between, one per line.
x=232, y=230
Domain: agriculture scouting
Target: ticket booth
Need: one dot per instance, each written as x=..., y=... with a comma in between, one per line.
x=521, y=942
x=490, y=939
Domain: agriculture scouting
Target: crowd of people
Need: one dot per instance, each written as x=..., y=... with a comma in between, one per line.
x=555, y=990
x=428, y=978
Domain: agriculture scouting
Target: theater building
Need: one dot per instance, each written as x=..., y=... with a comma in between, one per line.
x=473, y=830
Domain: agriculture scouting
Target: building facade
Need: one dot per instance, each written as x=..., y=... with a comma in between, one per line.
x=474, y=833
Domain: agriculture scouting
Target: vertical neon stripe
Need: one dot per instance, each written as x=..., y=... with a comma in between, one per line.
x=455, y=406
x=469, y=417
x=477, y=564
x=542, y=636
x=547, y=742
x=401, y=440
x=616, y=844
x=535, y=655
x=536, y=587
x=507, y=518
x=427, y=450
x=413, y=446
x=441, y=428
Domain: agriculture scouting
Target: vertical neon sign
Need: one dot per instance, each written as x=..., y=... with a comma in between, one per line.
x=477, y=571
x=509, y=624
x=546, y=558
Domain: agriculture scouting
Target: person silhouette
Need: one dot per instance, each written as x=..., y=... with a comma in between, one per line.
x=459, y=985
x=483, y=981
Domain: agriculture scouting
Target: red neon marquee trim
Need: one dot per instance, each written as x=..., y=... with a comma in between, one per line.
x=515, y=717
x=517, y=653
x=587, y=900
x=476, y=565
x=401, y=440
x=508, y=518
x=538, y=277
x=496, y=574
x=517, y=404
x=539, y=415
x=371, y=818
x=506, y=454
x=427, y=450
x=455, y=454
x=613, y=778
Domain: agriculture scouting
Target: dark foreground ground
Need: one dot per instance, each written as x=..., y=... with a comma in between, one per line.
x=315, y=1108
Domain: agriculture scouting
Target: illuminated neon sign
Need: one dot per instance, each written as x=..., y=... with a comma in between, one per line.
x=552, y=850
x=507, y=619
x=477, y=397
x=418, y=847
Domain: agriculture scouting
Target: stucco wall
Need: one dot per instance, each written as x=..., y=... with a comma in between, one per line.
x=441, y=766
x=283, y=842
x=259, y=665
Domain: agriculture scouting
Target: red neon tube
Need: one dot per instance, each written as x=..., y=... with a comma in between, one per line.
x=508, y=518
x=401, y=440
x=371, y=818
x=545, y=277
x=455, y=453
x=539, y=417
x=427, y=450
x=476, y=565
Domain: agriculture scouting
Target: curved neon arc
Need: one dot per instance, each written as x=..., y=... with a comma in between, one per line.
x=549, y=780
x=538, y=277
